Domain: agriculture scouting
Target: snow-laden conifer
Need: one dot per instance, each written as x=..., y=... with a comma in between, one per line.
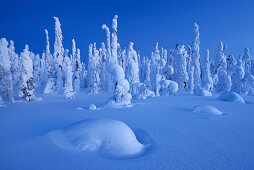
x=195, y=58
x=15, y=65
x=27, y=81
x=37, y=70
x=132, y=70
x=180, y=68
x=68, y=89
x=59, y=55
x=6, y=85
x=206, y=74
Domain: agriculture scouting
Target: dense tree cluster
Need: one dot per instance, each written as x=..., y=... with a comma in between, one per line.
x=122, y=73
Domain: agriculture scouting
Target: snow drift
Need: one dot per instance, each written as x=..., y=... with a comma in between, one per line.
x=231, y=97
x=105, y=137
x=206, y=109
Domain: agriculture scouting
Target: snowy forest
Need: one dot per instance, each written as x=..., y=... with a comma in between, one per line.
x=121, y=72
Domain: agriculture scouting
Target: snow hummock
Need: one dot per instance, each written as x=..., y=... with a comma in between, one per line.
x=106, y=137
x=92, y=107
x=206, y=109
x=231, y=97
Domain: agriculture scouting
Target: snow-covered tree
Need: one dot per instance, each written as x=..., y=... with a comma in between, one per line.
x=68, y=89
x=93, y=69
x=206, y=74
x=119, y=54
x=77, y=72
x=196, y=59
x=180, y=68
x=248, y=78
x=74, y=51
x=223, y=83
x=103, y=66
x=6, y=85
x=43, y=69
x=189, y=59
x=49, y=62
x=50, y=72
x=247, y=60
x=36, y=70
x=59, y=55
x=113, y=58
x=142, y=69
x=27, y=81
x=191, y=81
x=15, y=65
x=147, y=72
x=231, y=64
x=238, y=76
x=155, y=66
x=132, y=70
x=116, y=82
x=108, y=41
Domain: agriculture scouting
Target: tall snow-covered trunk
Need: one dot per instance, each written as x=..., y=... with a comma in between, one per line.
x=196, y=59
x=59, y=55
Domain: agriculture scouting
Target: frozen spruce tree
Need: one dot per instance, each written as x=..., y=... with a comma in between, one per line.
x=142, y=69
x=196, y=59
x=6, y=85
x=180, y=68
x=147, y=72
x=132, y=70
x=189, y=59
x=155, y=66
x=231, y=65
x=223, y=79
x=37, y=70
x=43, y=69
x=248, y=78
x=108, y=40
x=93, y=69
x=77, y=73
x=15, y=65
x=59, y=55
x=74, y=51
x=116, y=82
x=27, y=81
x=238, y=77
x=103, y=64
x=113, y=58
x=68, y=89
x=206, y=74
x=50, y=69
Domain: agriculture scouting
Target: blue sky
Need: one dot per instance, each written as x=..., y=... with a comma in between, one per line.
x=143, y=22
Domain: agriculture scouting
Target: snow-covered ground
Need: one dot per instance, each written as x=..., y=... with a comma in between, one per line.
x=173, y=132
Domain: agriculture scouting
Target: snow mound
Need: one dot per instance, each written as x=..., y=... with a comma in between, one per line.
x=92, y=107
x=105, y=137
x=207, y=109
x=231, y=97
x=168, y=87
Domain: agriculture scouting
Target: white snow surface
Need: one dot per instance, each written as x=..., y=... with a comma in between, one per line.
x=231, y=97
x=178, y=138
